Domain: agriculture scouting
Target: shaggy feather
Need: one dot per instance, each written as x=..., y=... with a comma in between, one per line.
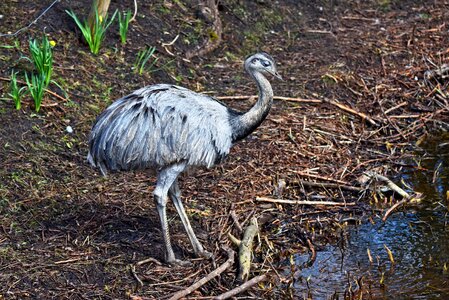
x=157, y=126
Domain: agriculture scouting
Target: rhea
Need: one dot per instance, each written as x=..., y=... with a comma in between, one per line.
x=168, y=129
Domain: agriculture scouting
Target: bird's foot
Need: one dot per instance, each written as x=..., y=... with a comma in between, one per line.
x=179, y=263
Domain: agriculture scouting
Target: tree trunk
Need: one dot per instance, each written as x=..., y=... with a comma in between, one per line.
x=208, y=9
x=101, y=6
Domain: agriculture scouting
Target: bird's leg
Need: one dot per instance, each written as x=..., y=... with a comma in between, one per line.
x=175, y=195
x=165, y=179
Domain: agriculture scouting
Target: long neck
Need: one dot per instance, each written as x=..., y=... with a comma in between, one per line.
x=244, y=124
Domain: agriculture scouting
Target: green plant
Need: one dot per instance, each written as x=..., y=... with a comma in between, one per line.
x=95, y=34
x=36, y=86
x=42, y=57
x=15, y=92
x=123, y=25
x=142, y=58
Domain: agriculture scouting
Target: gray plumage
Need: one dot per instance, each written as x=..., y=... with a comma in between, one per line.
x=169, y=128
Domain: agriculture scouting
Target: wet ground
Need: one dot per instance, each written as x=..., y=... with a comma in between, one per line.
x=418, y=238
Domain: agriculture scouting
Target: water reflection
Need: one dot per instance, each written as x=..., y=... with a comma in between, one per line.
x=418, y=239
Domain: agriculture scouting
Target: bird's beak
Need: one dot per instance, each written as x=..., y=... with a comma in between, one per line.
x=276, y=74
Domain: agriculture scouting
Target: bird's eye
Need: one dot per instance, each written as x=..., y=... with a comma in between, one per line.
x=254, y=60
x=266, y=63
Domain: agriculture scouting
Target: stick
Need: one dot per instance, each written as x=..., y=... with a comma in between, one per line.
x=242, y=288
x=246, y=249
x=135, y=12
x=330, y=185
x=32, y=23
x=202, y=281
x=46, y=90
x=305, y=202
x=236, y=220
x=320, y=177
x=350, y=110
x=148, y=260
x=302, y=100
x=60, y=262
x=390, y=210
x=133, y=272
x=390, y=184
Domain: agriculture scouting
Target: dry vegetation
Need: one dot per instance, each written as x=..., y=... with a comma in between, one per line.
x=378, y=68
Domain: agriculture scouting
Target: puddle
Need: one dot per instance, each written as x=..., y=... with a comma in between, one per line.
x=418, y=239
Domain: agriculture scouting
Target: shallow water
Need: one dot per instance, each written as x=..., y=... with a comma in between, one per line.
x=418, y=238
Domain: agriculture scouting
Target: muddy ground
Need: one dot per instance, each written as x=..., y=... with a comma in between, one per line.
x=68, y=233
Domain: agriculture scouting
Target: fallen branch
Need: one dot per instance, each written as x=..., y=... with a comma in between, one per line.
x=391, y=209
x=329, y=185
x=211, y=275
x=132, y=268
x=302, y=100
x=245, y=249
x=236, y=220
x=352, y=111
x=304, y=202
x=393, y=186
x=242, y=288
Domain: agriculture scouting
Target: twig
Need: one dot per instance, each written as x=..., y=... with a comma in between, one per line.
x=301, y=100
x=391, y=209
x=304, y=202
x=396, y=107
x=242, y=288
x=135, y=12
x=320, y=177
x=150, y=259
x=133, y=272
x=389, y=183
x=67, y=261
x=202, y=281
x=330, y=185
x=236, y=220
x=352, y=111
x=32, y=23
x=312, y=257
x=46, y=90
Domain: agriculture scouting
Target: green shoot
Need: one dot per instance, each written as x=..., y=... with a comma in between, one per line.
x=94, y=36
x=123, y=25
x=142, y=58
x=42, y=58
x=36, y=86
x=15, y=92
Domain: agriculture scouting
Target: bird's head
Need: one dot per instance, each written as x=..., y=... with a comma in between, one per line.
x=261, y=62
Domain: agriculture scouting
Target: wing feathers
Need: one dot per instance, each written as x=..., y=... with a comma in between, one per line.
x=157, y=126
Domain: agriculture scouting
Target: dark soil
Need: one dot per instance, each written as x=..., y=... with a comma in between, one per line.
x=68, y=233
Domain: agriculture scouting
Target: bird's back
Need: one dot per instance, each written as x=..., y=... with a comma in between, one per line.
x=157, y=126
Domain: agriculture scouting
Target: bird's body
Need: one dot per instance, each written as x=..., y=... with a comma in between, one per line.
x=168, y=128
x=160, y=125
